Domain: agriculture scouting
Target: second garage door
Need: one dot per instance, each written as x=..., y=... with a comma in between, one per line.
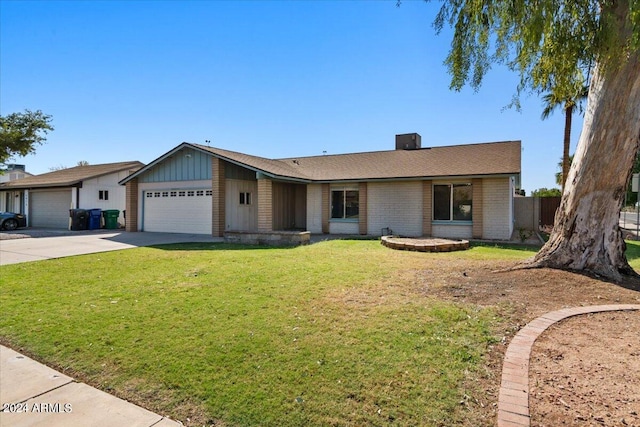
x=49, y=208
x=177, y=211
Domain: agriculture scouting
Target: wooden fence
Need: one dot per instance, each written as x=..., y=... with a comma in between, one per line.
x=548, y=208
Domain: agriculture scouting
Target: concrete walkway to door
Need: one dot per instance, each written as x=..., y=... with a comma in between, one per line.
x=39, y=244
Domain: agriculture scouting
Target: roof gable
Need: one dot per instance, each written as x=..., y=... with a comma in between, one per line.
x=71, y=176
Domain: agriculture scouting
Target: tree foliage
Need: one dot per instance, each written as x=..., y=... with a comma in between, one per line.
x=62, y=167
x=20, y=133
x=551, y=44
x=546, y=192
x=560, y=175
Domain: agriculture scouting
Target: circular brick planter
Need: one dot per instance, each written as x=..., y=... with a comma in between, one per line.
x=424, y=244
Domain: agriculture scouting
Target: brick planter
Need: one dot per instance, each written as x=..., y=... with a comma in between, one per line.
x=268, y=238
x=424, y=244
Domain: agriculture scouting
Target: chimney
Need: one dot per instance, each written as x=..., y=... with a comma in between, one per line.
x=408, y=141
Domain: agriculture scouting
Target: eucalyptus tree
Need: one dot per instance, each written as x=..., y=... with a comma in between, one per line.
x=550, y=43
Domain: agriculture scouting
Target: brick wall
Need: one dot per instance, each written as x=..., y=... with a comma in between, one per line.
x=452, y=231
x=326, y=207
x=314, y=208
x=496, y=209
x=265, y=205
x=477, y=209
x=362, y=205
x=427, y=207
x=396, y=205
x=218, y=197
x=131, y=205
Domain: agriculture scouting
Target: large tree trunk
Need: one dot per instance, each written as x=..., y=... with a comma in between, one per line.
x=586, y=234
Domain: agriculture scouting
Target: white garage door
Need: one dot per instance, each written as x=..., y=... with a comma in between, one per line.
x=177, y=211
x=49, y=208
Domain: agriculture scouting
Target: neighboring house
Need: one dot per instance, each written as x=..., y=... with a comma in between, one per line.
x=461, y=191
x=11, y=201
x=47, y=198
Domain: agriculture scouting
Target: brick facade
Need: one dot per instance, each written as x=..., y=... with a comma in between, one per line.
x=326, y=207
x=218, y=184
x=362, y=206
x=477, y=209
x=497, y=209
x=265, y=205
x=396, y=205
x=131, y=188
x=427, y=207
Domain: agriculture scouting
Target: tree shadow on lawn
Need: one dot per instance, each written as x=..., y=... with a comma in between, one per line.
x=508, y=245
x=628, y=282
x=221, y=246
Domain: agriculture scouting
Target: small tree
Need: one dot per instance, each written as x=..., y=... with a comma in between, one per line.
x=546, y=192
x=62, y=167
x=20, y=133
x=569, y=103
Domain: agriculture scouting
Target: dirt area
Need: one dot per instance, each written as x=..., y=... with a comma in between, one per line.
x=585, y=370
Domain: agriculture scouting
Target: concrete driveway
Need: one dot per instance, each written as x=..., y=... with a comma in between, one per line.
x=39, y=244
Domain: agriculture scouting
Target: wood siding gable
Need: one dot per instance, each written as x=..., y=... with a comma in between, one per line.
x=183, y=165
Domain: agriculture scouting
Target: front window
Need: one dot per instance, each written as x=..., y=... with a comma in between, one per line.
x=344, y=204
x=452, y=202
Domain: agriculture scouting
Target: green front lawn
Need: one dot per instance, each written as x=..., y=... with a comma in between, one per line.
x=333, y=333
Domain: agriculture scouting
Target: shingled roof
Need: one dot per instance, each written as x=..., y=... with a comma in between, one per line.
x=71, y=176
x=495, y=158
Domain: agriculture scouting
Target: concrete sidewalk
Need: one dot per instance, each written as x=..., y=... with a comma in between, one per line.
x=32, y=394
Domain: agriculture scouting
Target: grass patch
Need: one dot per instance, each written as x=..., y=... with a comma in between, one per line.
x=633, y=254
x=328, y=334
x=501, y=251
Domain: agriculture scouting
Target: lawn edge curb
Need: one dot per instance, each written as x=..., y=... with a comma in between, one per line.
x=513, y=402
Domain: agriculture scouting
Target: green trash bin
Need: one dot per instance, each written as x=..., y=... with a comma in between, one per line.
x=111, y=218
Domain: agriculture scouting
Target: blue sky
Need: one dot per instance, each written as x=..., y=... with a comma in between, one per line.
x=130, y=80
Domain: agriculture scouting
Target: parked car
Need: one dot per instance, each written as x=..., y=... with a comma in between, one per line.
x=11, y=221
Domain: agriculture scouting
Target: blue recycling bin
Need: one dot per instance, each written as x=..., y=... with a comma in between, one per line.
x=95, y=217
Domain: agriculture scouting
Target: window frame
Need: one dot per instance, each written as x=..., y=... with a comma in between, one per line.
x=245, y=198
x=451, y=201
x=345, y=204
x=103, y=195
